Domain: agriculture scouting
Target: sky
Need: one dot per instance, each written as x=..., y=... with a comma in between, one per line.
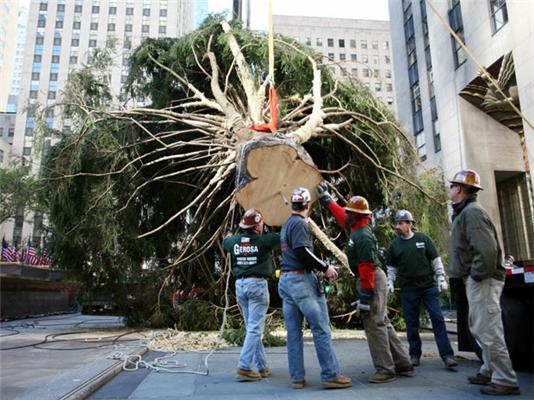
x=353, y=9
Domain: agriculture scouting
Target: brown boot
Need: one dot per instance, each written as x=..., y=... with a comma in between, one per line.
x=247, y=375
x=479, y=379
x=298, y=384
x=340, y=382
x=265, y=372
x=405, y=371
x=494, y=389
x=381, y=377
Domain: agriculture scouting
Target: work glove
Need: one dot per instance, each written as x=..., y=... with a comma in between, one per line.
x=442, y=283
x=364, y=303
x=392, y=275
x=322, y=193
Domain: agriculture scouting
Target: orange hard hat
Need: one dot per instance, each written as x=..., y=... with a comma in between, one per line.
x=467, y=177
x=358, y=204
x=251, y=218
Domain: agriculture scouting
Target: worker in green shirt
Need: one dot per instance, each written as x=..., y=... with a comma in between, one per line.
x=251, y=265
x=413, y=261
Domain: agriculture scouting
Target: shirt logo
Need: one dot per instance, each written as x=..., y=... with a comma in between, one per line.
x=245, y=240
x=351, y=242
x=420, y=245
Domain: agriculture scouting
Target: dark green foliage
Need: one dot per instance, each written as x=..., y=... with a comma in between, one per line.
x=111, y=185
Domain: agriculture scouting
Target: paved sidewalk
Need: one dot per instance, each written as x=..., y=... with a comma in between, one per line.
x=432, y=380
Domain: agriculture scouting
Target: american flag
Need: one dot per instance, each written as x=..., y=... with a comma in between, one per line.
x=29, y=256
x=9, y=254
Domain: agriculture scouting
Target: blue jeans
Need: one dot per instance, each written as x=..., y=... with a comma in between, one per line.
x=301, y=300
x=253, y=298
x=411, y=305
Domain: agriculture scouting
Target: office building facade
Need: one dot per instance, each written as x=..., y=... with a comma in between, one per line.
x=353, y=48
x=457, y=117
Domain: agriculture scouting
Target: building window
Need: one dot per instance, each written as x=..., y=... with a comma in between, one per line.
x=112, y=10
x=162, y=29
x=388, y=73
x=28, y=132
x=375, y=44
x=365, y=59
x=75, y=42
x=319, y=42
x=421, y=145
x=35, y=76
x=57, y=41
x=331, y=56
x=163, y=12
x=37, y=58
x=73, y=60
x=390, y=101
x=378, y=87
x=353, y=57
x=1, y=157
x=342, y=57
x=341, y=42
x=129, y=10
x=55, y=59
x=111, y=27
x=51, y=95
x=39, y=40
x=375, y=59
x=11, y=132
x=33, y=94
x=437, y=138
x=352, y=43
x=76, y=25
x=145, y=28
x=92, y=43
x=94, y=26
x=365, y=72
x=386, y=45
x=456, y=23
x=354, y=72
x=330, y=42
x=146, y=12
x=308, y=41
x=127, y=43
x=43, y=6
x=363, y=44
x=59, y=24
x=26, y=151
x=499, y=14
x=78, y=8
x=95, y=10
x=53, y=76
x=41, y=23
x=389, y=87
x=128, y=27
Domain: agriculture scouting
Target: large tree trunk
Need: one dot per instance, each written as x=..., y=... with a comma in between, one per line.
x=269, y=168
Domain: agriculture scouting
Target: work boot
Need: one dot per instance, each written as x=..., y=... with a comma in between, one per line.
x=479, y=379
x=340, y=382
x=494, y=389
x=450, y=362
x=298, y=384
x=265, y=372
x=247, y=375
x=405, y=371
x=415, y=360
x=381, y=377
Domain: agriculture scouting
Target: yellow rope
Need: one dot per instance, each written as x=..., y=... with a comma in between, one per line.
x=271, y=43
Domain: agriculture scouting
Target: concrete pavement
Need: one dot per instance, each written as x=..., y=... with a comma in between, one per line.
x=67, y=357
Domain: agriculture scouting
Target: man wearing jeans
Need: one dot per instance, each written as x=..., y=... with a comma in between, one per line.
x=252, y=265
x=414, y=260
x=476, y=257
x=303, y=297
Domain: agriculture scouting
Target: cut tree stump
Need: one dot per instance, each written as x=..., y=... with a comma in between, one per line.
x=270, y=167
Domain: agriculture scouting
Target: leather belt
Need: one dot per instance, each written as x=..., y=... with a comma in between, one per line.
x=294, y=271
